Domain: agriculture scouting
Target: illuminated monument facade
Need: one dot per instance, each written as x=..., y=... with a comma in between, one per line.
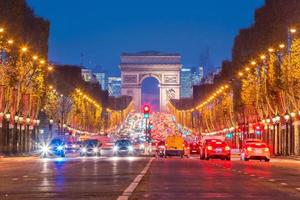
x=164, y=67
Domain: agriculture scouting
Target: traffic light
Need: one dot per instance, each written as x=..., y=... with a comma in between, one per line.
x=150, y=125
x=146, y=111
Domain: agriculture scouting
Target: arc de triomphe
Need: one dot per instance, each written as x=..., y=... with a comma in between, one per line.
x=164, y=67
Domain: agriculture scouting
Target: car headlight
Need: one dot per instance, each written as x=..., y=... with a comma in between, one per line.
x=95, y=150
x=115, y=148
x=83, y=150
x=130, y=148
x=60, y=148
x=74, y=146
x=45, y=149
x=142, y=146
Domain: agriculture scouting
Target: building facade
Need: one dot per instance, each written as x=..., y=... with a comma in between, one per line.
x=186, y=82
x=88, y=75
x=114, y=86
x=102, y=79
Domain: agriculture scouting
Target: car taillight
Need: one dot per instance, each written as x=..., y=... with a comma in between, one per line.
x=188, y=147
x=249, y=149
x=227, y=148
x=209, y=147
x=183, y=145
x=266, y=149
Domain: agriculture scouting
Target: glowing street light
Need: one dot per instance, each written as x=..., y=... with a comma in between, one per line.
x=24, y=49
x=281, y=46
x=293, y=30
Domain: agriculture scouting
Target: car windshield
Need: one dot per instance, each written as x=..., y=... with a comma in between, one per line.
x=90, y=143
x=123, y=143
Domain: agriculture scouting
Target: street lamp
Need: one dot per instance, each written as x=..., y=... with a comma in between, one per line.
x=287, y=136
x=50, y=127
x=21, y=135
x=27, y=134
x=293, y=115
x=15, y=134
x=7, y=138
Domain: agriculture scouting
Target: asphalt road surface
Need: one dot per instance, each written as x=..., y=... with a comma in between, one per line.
x=67, y=178
x=176, y=178
x=171, y=178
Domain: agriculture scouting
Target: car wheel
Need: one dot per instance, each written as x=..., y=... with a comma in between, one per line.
x=228, y=158
x=267, y=160
x=63, y=155
x=246, y=159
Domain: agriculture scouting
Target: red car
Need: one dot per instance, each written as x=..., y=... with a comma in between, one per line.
x=195, y=147
x=215, y=149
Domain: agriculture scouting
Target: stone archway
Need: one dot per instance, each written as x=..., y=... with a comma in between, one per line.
x=163, y=67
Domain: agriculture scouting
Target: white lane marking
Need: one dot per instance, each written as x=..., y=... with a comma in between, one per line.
x=261, y=177
x=25, y=176
x=129, y=190
x=271, y=180
x=252, y=175
x=284, y=184
x=14, y=179
x=298, y=189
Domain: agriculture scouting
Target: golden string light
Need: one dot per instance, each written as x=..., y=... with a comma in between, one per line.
x=25, y=49
x=87, y=98
x=214, y=95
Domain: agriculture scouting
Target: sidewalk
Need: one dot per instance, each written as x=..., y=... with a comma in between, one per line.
x=296, y=158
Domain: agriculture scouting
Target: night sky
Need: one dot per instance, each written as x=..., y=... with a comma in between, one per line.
x=101, y=30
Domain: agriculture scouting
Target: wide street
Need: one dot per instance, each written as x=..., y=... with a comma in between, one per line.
x=171, y=178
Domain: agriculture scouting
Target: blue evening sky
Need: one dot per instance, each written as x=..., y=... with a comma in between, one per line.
x=102, y=29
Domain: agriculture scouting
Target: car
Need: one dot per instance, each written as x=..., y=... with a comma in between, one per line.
x=251, y=140
x=123, y=147
x=203, y=146
x=55, y=147
x=71, y=146
x=174, y=146
x=255, y=151
x=217, y=149
x=91, y=147
x=160, y=149
x=195, y=148
x=187, y=150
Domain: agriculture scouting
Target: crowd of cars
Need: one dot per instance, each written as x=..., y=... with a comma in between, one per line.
x=212, y=148
x=89, y=147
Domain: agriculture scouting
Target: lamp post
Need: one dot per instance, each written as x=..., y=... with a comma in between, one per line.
x=50, y=127
x=292, y=133
x=1, y=131
x=37, y=131
x=27, y=134
x=21, y=136
x=15, y=134
x=7, y=138
x=268, y=130
x=287, y=135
